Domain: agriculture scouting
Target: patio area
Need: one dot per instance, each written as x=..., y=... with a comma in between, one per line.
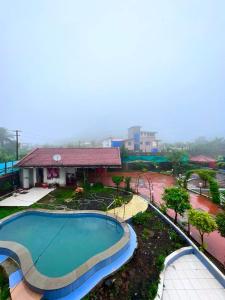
x=188, y=278
x=32, y=196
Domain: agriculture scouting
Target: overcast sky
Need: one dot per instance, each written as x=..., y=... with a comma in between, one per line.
x=89, y=69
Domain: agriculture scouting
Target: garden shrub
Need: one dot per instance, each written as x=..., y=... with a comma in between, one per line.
x=6, y=186
x=127, y=181
x=220, y=221
x=146, y=233
x=142, y=218
x=214, y=190
x=98, y=185
x=160, y=261
x=153, y=288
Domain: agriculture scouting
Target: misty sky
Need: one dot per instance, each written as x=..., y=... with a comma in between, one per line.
x=89, y=69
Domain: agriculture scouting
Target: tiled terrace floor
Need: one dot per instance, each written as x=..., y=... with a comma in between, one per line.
x=188, y=278
x=32, y=196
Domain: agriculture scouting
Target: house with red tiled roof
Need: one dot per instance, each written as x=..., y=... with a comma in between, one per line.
x=66, y=166
x=203, y=160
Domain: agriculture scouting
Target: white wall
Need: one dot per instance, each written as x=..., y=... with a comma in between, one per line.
x=107, y=143
x=25, y=178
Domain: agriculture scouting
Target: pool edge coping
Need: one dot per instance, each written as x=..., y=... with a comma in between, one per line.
x=42, y=282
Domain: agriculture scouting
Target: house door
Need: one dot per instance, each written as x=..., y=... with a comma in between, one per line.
x=40, y=175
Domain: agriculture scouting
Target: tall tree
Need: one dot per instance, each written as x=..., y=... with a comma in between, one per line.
x=117, y=180
x=176, y=158
x=177, y=199
x=203, y=222
x=5, y=137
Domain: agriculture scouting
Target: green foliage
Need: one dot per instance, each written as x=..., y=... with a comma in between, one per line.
x=160, y=261
x=177, y=199
x=163, y=208
x=220, y=221
x=118, y=201
x=221, y=164
x=145, y=234
x=123, y=152
x=205, y=175
x=127, y=182
x=6, y=211
x=142, y=218
x=6, y=186
x=176, y=158
x=202, y=221
x=139, y=166
x=98, y=185
x=158, y=225
x=153, y=288
x=214, y=190
x=117, y=180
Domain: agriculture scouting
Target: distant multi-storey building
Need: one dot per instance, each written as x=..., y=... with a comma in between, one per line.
x=112, y=143
x=138, y=141
x=141, y=141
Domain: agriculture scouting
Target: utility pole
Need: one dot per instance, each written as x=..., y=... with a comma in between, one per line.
x=17, y=143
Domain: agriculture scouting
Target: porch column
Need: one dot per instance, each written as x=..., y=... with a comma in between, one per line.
x=45, y=175
x=34, y=176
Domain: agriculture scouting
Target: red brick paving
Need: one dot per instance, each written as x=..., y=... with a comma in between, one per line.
x=215, y=242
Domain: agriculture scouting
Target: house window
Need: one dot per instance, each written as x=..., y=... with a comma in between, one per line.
x=147, y=143
x=129, y=143
x=52, y=173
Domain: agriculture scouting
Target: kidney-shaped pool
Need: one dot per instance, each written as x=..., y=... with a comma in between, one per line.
x=61, y=250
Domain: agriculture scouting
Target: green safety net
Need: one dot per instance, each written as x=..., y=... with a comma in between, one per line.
x=149, y=158
x=145, y=158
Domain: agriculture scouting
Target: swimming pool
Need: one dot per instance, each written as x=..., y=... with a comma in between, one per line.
x=61, y=250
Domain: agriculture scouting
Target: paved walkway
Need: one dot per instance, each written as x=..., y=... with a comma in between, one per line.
x=188, y=278
x=137, y=204
x=32, y=196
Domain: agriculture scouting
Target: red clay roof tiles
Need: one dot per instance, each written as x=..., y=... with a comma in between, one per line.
x=72, y=157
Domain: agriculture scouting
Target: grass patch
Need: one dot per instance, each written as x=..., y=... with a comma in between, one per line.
x=6, y=211
x=142, y=218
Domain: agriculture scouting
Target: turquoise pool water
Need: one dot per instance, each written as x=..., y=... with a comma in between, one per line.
x=58, y=244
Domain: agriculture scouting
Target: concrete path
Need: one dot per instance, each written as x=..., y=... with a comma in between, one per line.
x=137, y=204
x=33, y=195
x=188, y=278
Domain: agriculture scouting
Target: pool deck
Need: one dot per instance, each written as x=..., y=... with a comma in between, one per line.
x=188, y=278
x=136, y=205
x=32, y=196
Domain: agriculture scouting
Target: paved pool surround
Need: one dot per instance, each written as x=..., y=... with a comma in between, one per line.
x=55, y=287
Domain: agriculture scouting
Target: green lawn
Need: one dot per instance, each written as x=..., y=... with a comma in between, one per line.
x=6, y=211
